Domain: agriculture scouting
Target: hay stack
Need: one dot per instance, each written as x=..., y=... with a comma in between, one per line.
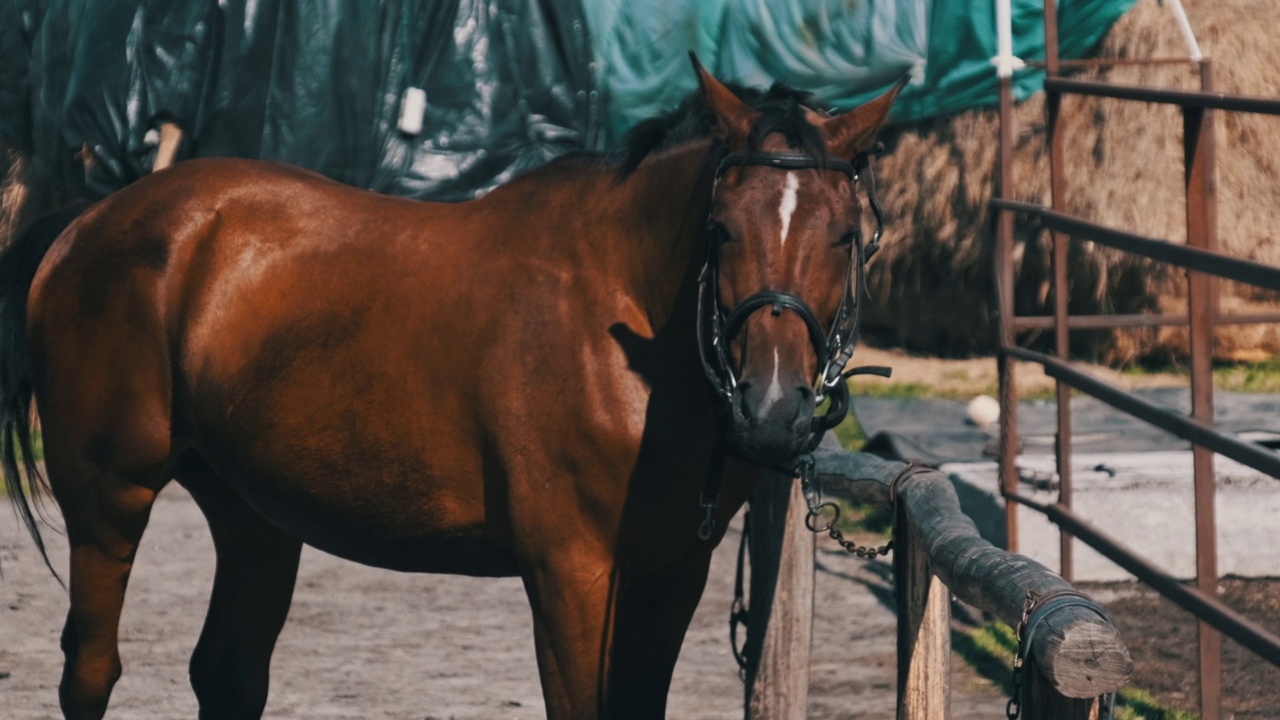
x=13, y=193
x=932, y=287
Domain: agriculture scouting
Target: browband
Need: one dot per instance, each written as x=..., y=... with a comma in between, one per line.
x=785, y=161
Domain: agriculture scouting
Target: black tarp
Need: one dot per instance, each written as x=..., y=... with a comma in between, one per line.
x=314, y=83
x=937, y=431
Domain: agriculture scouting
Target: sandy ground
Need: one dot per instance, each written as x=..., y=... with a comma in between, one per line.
x=367, y=643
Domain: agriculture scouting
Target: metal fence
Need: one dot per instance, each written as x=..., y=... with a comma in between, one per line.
x=1204, y=264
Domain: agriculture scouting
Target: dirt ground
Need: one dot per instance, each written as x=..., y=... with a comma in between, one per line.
x=1162, y=639
x=367, y=643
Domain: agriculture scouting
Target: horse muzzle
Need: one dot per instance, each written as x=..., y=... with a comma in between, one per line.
x=771, y=421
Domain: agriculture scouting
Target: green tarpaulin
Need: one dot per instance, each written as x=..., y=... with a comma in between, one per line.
x=508, y=83
x=842, y=50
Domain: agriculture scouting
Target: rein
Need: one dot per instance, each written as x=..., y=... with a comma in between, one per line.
x=717, y=327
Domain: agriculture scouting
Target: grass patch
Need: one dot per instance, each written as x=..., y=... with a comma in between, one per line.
x=893, y=390
x=858, y=518
x=37, y=445
x=922, y=390
x=1262, y=377
x=37, y=448
x=990, y=650
x=850, y=433
x=1250, y=377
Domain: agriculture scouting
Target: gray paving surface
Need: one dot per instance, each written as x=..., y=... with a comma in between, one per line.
x=1145, y=499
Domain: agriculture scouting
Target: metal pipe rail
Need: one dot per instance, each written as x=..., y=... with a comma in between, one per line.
x=1249, y=453
x=1202, y=263
x=1211, y=262
x=1113, y=62
x=1137, y=320
x=1231, y=623
x=1188, y=99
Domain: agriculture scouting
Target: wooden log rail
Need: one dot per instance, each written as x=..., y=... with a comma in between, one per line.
x=1076, y=654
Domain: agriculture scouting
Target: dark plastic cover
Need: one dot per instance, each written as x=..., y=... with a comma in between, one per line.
x=310, y=82
x=509, y=83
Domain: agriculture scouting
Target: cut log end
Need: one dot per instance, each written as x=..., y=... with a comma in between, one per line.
x=1082, y=656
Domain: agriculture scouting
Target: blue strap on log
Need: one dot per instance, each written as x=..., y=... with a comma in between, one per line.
x=1057, y=601
x=1041, y=608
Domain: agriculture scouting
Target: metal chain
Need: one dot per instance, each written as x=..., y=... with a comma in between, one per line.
x=807, y=469
x=862, y=551
x=1014, y=708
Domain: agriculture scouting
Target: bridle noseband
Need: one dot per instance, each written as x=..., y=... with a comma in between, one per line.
x=717, y=327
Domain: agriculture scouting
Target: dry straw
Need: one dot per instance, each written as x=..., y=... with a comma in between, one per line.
x=932, y=287
x=13, y=194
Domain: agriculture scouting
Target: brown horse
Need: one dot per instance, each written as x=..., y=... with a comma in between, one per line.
x=510, y=386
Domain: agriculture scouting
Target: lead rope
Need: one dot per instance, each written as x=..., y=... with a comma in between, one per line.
x=738, y=611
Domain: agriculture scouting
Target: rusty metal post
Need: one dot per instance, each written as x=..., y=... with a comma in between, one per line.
x=1004, y=276
x=1199, y=158
x=1061, y=291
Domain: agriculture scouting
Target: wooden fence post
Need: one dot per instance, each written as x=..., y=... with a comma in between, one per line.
x=1041, y=702
x=780, y=628
x=924, y=629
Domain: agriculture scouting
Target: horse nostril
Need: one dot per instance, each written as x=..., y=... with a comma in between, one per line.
x=806, y=392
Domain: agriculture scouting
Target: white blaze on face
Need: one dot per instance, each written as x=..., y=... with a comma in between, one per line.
x=774, y=393
x=788, y=206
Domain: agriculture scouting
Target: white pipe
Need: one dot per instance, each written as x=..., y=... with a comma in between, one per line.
x=1005, y=61
x=1188, y=35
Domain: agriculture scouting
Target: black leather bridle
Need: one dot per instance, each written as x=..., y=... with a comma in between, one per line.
x=718, y=327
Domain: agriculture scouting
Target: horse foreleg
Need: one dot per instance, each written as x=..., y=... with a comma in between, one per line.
x=570, y=595
x=252, y=591
x=652, y=615
x=607, y=649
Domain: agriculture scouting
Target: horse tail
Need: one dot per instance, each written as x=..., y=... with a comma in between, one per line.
x=18, y=264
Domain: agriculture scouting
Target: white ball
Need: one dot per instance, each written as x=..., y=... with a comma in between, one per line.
x=984, y=410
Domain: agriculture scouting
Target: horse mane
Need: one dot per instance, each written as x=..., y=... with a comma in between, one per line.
x=781, y=108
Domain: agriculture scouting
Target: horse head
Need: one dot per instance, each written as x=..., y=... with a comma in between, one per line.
x=784, y=260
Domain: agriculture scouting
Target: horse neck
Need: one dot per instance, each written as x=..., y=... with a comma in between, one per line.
x=669, y=198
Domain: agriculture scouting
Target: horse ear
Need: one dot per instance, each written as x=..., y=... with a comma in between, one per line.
x=854, y=131
x=733, y=117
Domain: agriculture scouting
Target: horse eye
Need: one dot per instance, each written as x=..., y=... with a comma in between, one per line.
x=721, y=233
x=847, y=238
